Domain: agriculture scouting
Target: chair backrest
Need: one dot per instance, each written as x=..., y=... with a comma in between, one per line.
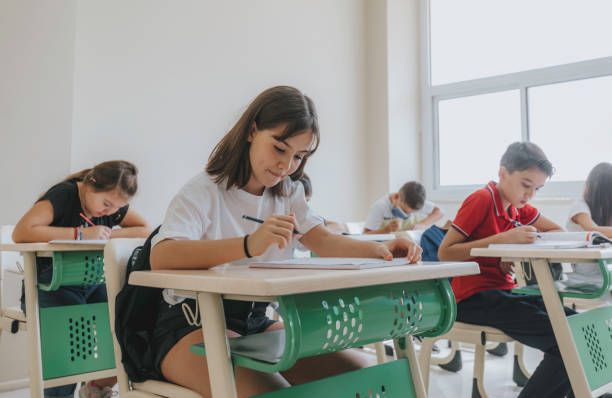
x=116, y=255
x=9, y=292
x=8, y=260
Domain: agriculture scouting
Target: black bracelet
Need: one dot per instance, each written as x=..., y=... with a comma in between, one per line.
x=246, y=249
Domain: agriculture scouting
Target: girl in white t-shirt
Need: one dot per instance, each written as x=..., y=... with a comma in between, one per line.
x=593, y=212
x=252, y=171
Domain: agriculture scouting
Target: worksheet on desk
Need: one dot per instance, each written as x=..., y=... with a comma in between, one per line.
x=330, y=263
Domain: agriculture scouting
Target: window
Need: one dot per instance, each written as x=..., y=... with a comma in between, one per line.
x=503, y=71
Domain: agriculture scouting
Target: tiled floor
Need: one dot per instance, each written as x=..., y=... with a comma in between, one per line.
x=443, y=384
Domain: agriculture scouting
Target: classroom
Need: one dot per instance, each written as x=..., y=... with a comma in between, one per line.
x=431, y=91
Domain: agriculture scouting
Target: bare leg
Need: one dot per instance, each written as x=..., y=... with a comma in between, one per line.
x=184, y=368
x=107, y=382
x=326, y=365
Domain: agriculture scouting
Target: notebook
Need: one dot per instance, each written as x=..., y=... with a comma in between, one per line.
x=330, y=263
x=79, y=242
x=561, y=240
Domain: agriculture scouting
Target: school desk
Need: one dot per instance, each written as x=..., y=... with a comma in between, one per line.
x=323, y=311
x=585, y=339
x=74, y=264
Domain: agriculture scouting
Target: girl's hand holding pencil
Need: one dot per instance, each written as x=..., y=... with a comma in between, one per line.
x=276, y=229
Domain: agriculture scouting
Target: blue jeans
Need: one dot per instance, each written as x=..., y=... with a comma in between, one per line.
x=65, y=295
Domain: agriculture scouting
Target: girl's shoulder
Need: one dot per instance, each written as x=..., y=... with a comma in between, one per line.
x=61, y=192
x=200, y=186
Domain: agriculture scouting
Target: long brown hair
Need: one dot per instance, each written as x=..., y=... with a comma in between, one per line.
x=598, y=194
x=281, y=105
x=108, y=176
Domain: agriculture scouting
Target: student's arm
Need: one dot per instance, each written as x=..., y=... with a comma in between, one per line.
x=455, y=248
x=133, y=225
x=198, y=254
x=544, y=224
x=34, y=227
x=430, y=220
x=326, y=244
x=336, y=226
x=587, y=223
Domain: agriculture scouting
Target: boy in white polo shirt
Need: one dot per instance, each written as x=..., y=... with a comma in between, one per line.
x=401, y=211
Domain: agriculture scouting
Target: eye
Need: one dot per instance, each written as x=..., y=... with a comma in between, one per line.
x=297, y=157
x=526, y=186
x=279, y=150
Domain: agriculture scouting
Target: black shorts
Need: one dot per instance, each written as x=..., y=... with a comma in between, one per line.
x=242, y=317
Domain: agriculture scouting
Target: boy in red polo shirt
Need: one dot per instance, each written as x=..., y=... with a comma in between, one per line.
x=499, y=213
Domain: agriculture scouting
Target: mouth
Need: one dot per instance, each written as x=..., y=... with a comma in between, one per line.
x=275, y=174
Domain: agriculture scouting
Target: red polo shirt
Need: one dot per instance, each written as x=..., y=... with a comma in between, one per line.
x=480, y=216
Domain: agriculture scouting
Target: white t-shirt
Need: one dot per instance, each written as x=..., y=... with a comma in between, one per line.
x=579, y=206
x=381, y=209
x=204, y=210
x=583, y=273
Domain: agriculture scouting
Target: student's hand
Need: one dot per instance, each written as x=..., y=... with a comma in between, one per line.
x=98, y=232
x=524, y=234
x=394, y=225
x=400, y=247
x=276, y=229
x=507, y=267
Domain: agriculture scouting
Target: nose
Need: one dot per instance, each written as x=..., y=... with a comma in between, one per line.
x=285, y=162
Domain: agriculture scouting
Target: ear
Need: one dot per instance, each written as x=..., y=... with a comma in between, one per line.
x=503, y=173
x=252, y=132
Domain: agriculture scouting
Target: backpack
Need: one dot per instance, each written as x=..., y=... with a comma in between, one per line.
x=430, y=242
x=136, y=310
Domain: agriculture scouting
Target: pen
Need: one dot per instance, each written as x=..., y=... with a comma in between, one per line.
x=86, y=219
x=518, y=224
x=295, y=231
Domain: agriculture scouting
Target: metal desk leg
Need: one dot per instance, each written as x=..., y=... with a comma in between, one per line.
x=31, y=297
x=561, y=328
x=409, y=353
x=220, y=370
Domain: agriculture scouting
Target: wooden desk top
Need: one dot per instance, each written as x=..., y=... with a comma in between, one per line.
x=48, y=247
x=528, y=252
x=242, y=280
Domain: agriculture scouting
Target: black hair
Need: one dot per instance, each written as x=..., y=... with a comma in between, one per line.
x=526, y=155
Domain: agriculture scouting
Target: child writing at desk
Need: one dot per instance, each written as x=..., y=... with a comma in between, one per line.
x=499, y=213
x=251, y=171
x=86, y=205
x=592, y=212
x=401, y=211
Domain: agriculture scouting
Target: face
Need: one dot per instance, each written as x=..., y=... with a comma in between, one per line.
x=405, y=208
x=519, y=187
x=100, y=204
x=272, y=159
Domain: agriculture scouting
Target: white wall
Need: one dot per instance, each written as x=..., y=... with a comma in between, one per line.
x=159, y=83
x=36, y=65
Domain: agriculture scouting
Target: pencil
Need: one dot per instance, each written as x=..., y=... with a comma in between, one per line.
x=86, y=219
x=295, y=231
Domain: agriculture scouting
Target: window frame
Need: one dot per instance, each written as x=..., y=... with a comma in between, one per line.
x=522, y=81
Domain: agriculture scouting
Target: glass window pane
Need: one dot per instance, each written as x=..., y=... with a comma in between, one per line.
x=474, y=132
x=572, y=123
x=478, y=38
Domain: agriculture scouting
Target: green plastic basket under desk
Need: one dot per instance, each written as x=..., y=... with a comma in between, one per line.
x=75, y=339
x=76, y=268
x=605, y=266
x=323, y=322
